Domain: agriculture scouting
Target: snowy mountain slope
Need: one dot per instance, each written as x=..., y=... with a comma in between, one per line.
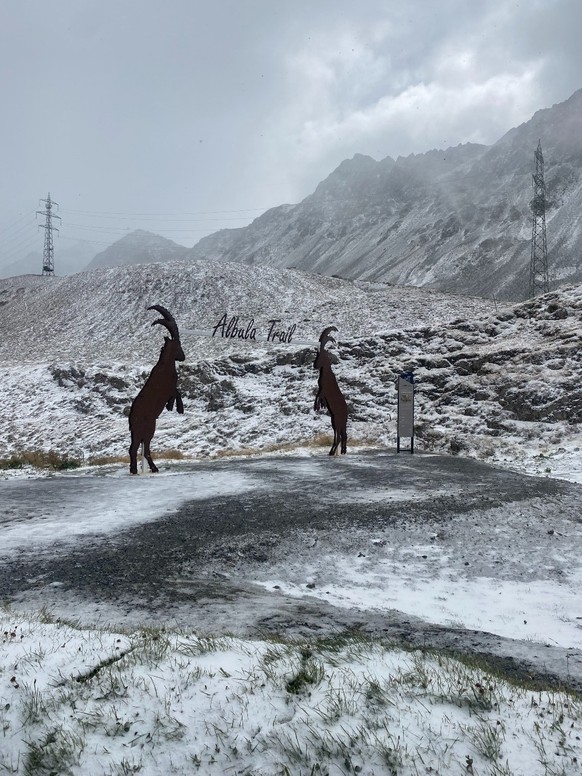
x=456, y=219
x=502, y=385
x=103, y=315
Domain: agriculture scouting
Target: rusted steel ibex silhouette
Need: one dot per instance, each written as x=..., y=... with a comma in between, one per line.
x=329, y=394
x=159, y=391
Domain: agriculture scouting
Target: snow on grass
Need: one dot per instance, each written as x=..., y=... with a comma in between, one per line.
x=78, y=701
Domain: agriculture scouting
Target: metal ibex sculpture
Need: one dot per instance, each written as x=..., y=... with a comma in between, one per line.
x=329, y=394
x=159, y=391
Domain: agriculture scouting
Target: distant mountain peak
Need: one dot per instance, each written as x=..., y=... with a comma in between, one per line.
x=138, y=247
x=143, y=235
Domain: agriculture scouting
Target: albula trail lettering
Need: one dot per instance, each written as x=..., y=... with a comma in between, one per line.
x=232, y=328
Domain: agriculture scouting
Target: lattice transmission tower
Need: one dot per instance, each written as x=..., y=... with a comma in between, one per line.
x=48, y=255
x=538, y=270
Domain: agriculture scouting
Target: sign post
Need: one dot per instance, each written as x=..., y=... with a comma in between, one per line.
x=405, y=420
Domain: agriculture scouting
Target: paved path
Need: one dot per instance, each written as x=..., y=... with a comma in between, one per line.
x=192, y=563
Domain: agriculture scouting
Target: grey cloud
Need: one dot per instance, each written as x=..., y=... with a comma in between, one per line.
x=182, y=107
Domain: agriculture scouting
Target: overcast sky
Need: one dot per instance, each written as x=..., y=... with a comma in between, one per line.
x=183, y=117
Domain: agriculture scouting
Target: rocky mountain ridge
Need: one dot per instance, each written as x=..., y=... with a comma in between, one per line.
x=457, y=220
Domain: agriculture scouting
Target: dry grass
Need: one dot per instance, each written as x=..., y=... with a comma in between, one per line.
x=41, y=459
x=56, y=461
x=320, y=440
x=163, y=455
x=53, y=460
x=105, y=460
x=316, y=442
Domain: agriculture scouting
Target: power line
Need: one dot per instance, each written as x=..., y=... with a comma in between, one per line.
x=26, y=245
x=80, y=239
x=14, y=223
x=12, y=245
x=113, y=230
x=118, y=226
x=17, y=235
x=168, y=220
x=119, y=213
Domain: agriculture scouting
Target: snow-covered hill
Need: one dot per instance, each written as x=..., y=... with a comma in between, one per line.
x=456, y=219
x=102, y=314
x=501, y=384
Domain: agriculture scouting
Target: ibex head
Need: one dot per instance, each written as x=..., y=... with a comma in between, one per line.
x=168, y=321
x=324, y=338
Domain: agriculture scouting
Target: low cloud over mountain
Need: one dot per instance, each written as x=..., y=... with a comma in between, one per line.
x=138, y=247
x=458, y=220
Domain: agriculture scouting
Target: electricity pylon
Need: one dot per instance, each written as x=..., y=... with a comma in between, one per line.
x=48, y=263
x=538, y=269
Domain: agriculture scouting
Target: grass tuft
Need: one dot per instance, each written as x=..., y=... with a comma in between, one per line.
x=41, y=459
x=153, y=700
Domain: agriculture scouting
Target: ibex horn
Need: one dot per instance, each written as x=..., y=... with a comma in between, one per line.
x=167, y=321
x=326, y=337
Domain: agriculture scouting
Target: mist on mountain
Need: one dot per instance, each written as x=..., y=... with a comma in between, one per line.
x=456, y=220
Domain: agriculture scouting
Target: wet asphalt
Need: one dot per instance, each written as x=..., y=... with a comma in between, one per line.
x=178, y=569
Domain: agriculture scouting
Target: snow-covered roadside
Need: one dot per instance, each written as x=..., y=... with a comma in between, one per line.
x=84, y=701
x=542, y=611
x=565, y=462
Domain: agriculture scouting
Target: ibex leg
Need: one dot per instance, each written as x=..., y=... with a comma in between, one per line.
x=177, y=397
x=336, y=438
x=135, y=443
x=148, y=457
x=344, y=438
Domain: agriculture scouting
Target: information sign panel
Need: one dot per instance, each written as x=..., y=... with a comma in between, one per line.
x=405, y=420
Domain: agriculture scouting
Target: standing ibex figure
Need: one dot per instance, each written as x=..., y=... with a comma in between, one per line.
x=159, y=391
x=329, y=394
